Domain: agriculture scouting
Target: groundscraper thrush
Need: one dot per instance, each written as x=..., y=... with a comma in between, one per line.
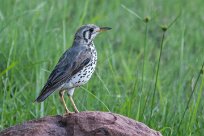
x=75, y=67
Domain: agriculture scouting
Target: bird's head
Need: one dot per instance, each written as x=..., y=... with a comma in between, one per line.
x=87, y=33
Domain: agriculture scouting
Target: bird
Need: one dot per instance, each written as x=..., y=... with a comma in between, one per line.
x=75, y=67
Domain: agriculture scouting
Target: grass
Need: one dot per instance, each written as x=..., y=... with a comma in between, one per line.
x=34, y=34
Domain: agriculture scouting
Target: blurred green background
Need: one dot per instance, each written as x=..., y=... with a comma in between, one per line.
x=34, y=34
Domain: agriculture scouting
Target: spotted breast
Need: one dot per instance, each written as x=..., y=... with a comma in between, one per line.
x=83, y=76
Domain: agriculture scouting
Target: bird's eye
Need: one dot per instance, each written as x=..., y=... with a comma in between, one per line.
x=91, y=30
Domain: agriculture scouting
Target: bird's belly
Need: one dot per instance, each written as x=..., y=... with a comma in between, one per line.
x=83, y=76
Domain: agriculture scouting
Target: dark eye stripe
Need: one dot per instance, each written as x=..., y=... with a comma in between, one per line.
x=90, y=34
x=91, y=30
x=84, y=35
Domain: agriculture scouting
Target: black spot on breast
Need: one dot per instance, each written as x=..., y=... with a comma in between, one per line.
x=89, y=65
x=89, y=49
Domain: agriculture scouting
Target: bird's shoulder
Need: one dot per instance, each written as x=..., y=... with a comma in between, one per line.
x=74, y=55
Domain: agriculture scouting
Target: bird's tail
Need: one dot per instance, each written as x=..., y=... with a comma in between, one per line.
x=44, y=94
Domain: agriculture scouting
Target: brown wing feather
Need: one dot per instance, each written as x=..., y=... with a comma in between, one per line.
x=71, y=62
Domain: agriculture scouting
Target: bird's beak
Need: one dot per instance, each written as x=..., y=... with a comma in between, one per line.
x=102, y=29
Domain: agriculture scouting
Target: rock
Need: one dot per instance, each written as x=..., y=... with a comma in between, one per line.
x=82, y=124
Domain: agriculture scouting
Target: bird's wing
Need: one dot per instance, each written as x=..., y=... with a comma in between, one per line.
x=71, y=62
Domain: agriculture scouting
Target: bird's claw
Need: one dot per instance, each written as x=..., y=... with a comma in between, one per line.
x=68, y=113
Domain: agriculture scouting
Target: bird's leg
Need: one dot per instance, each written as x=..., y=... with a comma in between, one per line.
x=61, y=94
x=72, y=101
x=70, y=94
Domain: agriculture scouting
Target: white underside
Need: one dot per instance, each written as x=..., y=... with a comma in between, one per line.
x=81, y=78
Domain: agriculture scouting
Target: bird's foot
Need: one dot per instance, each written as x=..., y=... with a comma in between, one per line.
x=68, y=113
x=76, y=111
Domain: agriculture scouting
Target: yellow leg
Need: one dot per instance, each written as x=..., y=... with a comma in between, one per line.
x=72, y=101
x=61, y=94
